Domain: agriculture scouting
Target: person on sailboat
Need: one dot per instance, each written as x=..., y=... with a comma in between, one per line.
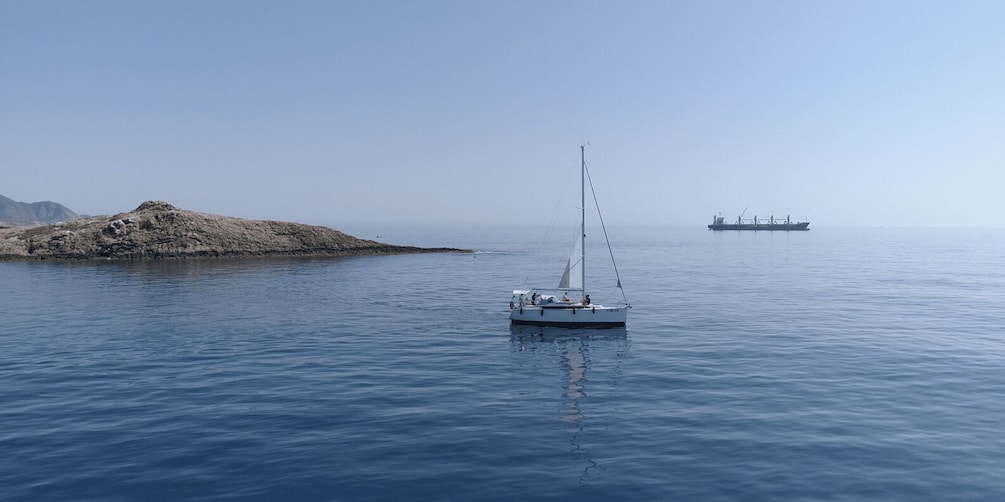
x=586, y=300
x=565, y=298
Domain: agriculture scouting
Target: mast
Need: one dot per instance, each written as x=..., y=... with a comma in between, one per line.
x=582, y=218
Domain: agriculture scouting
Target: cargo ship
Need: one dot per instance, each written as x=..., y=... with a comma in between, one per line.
x=719, y=223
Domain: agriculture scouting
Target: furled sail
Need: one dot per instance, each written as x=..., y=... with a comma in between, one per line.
x=573, y=276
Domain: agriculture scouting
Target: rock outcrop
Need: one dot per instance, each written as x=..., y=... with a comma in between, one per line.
x=156, y=230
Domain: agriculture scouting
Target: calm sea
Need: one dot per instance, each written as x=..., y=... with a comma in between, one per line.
x=834, y=364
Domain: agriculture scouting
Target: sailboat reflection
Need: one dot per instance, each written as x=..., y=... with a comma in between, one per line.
x=526, y=334
x=576, y=347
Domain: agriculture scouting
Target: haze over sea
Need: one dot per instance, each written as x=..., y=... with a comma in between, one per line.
x=834, y=364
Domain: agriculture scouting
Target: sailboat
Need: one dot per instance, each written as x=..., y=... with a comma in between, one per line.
x=545, y=308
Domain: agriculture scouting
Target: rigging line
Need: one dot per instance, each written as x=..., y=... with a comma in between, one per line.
x=604, y=227
x=547, y=237
x=559, y=204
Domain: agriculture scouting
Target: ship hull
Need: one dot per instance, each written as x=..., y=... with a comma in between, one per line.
x=761, y=226
x=569, y=316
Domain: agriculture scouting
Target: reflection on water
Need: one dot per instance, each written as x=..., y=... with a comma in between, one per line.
x=527, y=335
x=575, y=366
x=575, y=347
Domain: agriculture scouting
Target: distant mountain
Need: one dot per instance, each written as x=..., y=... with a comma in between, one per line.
x=14, y=213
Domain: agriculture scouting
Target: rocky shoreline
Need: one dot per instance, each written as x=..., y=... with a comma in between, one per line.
x=158, y=230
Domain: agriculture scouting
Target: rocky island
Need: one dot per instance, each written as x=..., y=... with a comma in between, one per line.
x=158, y=230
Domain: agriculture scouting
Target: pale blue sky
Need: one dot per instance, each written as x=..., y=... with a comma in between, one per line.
x=843, y=112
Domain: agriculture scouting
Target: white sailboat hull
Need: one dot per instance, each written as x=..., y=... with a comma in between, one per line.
x=569, y=315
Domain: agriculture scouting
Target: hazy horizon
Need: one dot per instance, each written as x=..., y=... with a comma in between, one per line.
x=567, y=220
x=842, y=113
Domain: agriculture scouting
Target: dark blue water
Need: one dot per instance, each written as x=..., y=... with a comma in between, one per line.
x=833, y=364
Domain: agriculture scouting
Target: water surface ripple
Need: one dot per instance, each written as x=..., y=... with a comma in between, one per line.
x=837, y=364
